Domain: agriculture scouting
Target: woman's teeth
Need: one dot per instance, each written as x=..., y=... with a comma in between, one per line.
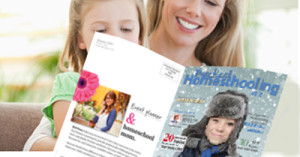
x=187, y=25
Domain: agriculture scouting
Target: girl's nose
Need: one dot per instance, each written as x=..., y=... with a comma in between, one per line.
x=220, y=127
x=113, y=33
x=194, y=8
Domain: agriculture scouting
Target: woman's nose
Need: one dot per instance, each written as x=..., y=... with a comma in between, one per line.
x=194, y=8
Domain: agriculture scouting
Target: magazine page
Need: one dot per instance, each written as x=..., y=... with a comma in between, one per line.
x=221, y=111
x=119, y=107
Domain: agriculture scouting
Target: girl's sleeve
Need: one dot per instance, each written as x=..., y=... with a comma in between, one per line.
x=63, y=89
x=110, y=120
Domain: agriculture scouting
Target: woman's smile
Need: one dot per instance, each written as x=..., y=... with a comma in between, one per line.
x=187, y=24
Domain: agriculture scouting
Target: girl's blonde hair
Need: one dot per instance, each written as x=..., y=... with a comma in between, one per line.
x=72, y=54
x=224, y=46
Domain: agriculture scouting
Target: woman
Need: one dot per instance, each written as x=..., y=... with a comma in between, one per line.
x=197, y=32
x=105, y=118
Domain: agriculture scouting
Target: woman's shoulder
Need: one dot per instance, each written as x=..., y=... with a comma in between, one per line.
x=113, y=112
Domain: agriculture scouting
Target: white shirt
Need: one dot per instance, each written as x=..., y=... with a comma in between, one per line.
x=101, y=122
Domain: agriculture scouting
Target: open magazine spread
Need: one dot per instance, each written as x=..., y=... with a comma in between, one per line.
x=132, y=102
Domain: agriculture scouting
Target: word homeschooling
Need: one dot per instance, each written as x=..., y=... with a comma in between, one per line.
x=229, y=80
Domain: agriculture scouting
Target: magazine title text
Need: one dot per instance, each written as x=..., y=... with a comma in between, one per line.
x=228, y=79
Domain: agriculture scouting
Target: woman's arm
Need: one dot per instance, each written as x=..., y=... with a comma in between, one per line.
x=110, y=120
x=60, y=109
x=102, y=109
x=96, y=117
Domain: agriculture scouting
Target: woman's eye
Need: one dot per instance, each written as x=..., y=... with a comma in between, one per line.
x=126, y=29
x=211, y=3
x=101, y=30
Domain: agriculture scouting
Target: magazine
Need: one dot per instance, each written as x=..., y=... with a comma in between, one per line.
x=132, y=102
x=203, y=87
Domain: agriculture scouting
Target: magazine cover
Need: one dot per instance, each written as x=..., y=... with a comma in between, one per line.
x=221, y=111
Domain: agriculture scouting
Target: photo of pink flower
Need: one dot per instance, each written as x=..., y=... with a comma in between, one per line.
x=86, y=87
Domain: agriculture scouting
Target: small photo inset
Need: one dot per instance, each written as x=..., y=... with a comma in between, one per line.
x=175, y=119
x=104, y=112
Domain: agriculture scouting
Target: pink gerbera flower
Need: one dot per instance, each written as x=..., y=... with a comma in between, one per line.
x=86, y=87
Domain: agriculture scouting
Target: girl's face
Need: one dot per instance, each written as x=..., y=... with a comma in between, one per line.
x=113, y=17
x=219, y=129
x=189, y=21
x=109, y=101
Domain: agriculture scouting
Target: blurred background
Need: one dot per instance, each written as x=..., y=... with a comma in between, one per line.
x=32, y=35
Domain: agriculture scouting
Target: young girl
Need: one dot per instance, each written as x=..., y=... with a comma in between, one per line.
x=105, y=118
x=122, y=18
x=195, y=32
x=216, y=133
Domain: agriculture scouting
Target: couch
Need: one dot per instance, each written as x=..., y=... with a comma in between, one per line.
x=18, y=121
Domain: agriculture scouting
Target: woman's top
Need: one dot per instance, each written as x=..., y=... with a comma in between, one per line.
x=109, y=122
x=101, y=121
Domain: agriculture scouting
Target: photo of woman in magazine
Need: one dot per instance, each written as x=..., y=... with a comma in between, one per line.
x=104, y=112
x=105, y=118
x=216, y=133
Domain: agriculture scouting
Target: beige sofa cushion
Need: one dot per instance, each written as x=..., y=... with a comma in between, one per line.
x=17, y=121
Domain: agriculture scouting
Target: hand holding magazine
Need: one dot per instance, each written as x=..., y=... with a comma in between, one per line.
x=132, y=102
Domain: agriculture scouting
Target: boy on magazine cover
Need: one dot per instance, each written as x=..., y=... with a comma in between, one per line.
x=215, y=135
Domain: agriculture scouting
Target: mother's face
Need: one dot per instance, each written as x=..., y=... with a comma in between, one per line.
x=189, y=21
x=109, y=100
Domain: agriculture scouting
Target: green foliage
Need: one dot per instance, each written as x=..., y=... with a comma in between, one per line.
x=88, y=113
x=98, y=108
x=85, y=111
x=48, y=64
x=45, y=66
x=250, y=30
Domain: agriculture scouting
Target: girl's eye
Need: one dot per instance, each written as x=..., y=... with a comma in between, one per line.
x=126, y=29
x=101, y=30
x=211, y=3
x=215, y=120
x=230, y=124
